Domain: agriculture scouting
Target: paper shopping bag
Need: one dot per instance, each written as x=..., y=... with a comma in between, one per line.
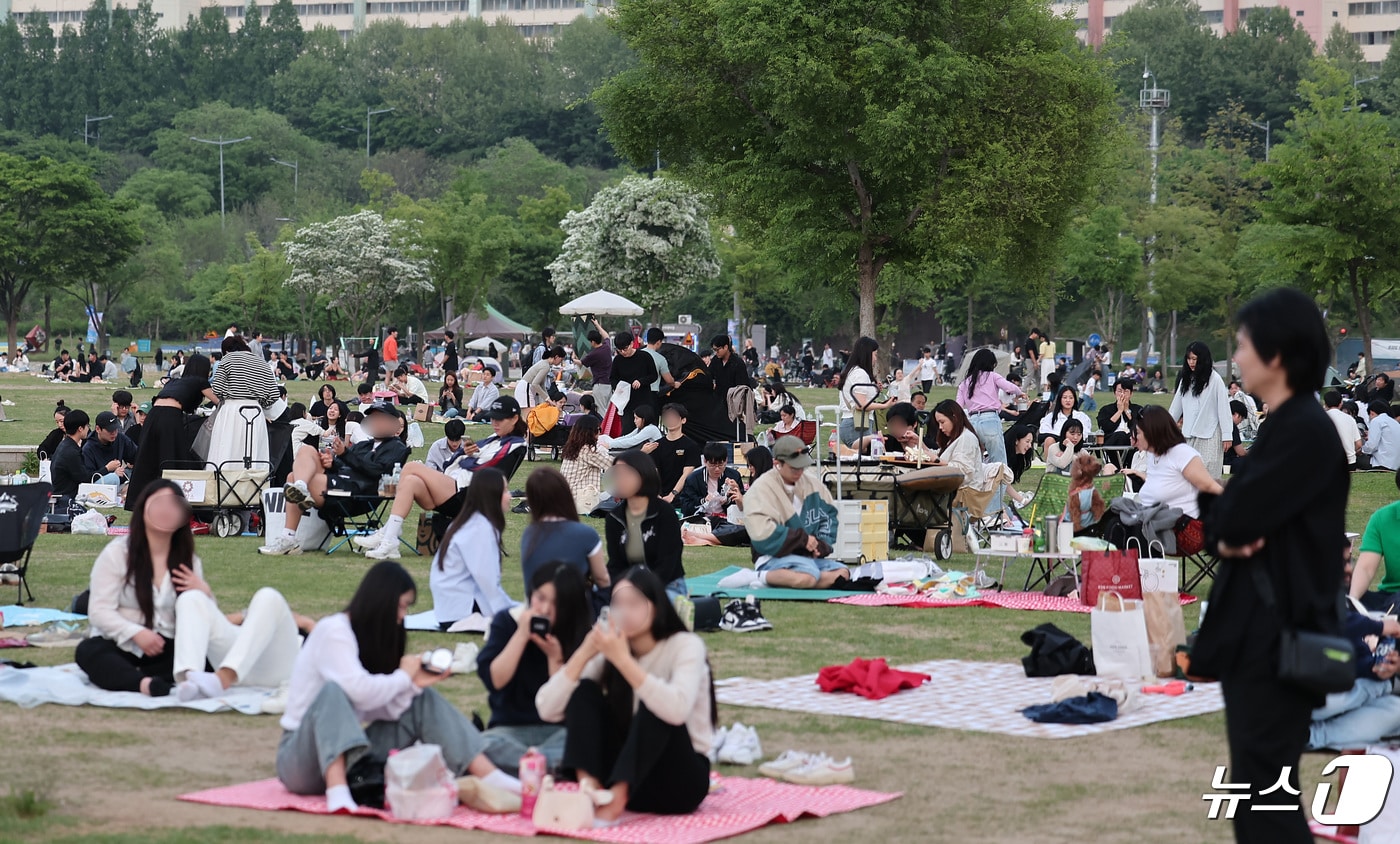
x=1118, y=632
x=1166, y=629
x=1110, y=571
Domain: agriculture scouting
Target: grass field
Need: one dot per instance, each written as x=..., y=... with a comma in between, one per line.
x=111, y=776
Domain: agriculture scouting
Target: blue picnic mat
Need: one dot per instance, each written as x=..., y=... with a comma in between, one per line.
x=708, y=584
x=16, y=616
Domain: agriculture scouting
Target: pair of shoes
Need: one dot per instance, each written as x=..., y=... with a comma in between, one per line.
x=741, y=579
x=281, y=546
x=982, y=580
x=60, y=634
x=744, y=616
x=809, y=769
x=739, y=745
x=276, y=703
x=297, y=493
x=388, y=547
x=368, y=540
x=521, y=508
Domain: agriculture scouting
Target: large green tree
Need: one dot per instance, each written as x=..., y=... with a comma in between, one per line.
x=855, y=135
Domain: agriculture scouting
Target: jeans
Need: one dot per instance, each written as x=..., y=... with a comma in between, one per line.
x=330, y=728
x=987, y=427
x=451, y=413
x=1362, y=715
x=260, y=651
x=506, y=744
x=677, y=589
x=111, y=479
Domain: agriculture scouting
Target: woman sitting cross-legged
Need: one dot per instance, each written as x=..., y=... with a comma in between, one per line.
x=433, y=490
x=524, y=648
x=355, y=697
x=643, y=530
x=465, y=577
x=638, y=706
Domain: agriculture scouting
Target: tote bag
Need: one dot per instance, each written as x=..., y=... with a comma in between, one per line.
x=1118, y=632
x=1109, y=571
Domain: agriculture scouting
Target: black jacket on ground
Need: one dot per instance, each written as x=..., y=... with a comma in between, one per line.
x=661, y=541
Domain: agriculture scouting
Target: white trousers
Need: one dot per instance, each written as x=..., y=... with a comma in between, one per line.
x=260, y=651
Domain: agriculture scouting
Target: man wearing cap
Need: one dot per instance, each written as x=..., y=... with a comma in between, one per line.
x=792, y=524
x=121, y=408
x=354, y=469
x=443, y=491
x=483, y=396
x=108, y=454
x=139, y=415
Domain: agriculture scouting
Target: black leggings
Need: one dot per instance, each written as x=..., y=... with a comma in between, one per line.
x=664, y=774
x=114, y=669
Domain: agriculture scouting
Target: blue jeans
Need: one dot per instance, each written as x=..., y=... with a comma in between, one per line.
x=987, y=427
x=111, y=479
x=1363, y=715
x=506, y=744
x=677, y=589
x=813, y=567
x=453, y=413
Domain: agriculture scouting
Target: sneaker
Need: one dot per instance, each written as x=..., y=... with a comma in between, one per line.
x=744, y=617
x=983, y=581
x=387, y=549
x=717, y=744
x=464, y=658
x=60, y=634
x=741, y=746
x=789, y=760
x=369, y=540
x=276, y=702
x=281, y=546
x=822, y=771
x=521, y=508
x=741, y=579
x=297, y=493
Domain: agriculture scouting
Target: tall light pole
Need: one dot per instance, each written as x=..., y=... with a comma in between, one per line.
x=368, y=114
x=296, y=175
x=1154, y=101
x=221, y=143
x=88, y=121
x=1265, y=126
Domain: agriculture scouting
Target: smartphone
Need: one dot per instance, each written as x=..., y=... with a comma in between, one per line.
x=539, y=626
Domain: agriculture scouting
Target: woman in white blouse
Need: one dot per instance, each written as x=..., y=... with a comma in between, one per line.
x=959, y=448
x=1175, y=475
x=859, y=392
x=1201, y=406
x=638, y=705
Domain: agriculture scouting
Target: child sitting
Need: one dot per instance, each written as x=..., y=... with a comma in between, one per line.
x=1084, y=507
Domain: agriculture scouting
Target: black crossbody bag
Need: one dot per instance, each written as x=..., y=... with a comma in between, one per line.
x=1312, y=661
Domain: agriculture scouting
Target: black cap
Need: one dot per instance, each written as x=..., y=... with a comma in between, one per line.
x=121, y=398
x=107, y=421
x=503, y=408
x=384, y=407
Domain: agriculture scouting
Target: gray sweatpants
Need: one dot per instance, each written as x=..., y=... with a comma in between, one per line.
x=505, y=745
x=330, y=729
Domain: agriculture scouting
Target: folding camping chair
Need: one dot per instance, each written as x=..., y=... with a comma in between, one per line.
x=1202, y=560
x=349, y=515
x=22, y=509
x=1051, y=497
x=443, y=516
x=807, y=432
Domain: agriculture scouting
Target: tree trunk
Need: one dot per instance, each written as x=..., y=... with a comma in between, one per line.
x=869, y=267
x=1361, y=300
x=48, y=331
x=969, y=319
x=12, y=321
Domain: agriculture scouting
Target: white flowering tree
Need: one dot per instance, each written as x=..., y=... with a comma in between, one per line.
x=360, y=263
x=646, y=239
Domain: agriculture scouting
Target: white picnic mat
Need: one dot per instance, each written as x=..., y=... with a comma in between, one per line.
x=427, y=622
x=67, y=685
x=981, y=696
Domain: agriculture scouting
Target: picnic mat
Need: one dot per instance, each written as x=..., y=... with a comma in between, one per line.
x=708, y=584
x=742, y=805
x=16, y=616
x=1005, y=600
x=427, y=622
x=980, y=696
x=67, y=685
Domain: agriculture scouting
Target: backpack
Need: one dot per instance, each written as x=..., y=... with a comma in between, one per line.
x=541, y=419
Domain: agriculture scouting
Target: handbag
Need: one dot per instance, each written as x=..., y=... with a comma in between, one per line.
x=205, y=434
x=1315, y=662
x=1109, y=571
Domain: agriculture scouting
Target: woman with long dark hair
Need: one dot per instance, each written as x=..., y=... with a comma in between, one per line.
x=643, y=530
x=1063, y=407
x=465, y=577
x=858, y=396
x=325, y=394
x=1281, y=540
x=637, y=702
x=523, y=650
x=555, y=533
x=166, y=436
x=355, y=697
x=450, y=394
x=959, y=448
x=584, y=461
x=1019, y=441
x=981, y=395
x=1201, y=406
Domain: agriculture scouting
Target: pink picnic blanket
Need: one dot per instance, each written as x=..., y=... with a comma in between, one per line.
x=742, y=805
x=1006, y=600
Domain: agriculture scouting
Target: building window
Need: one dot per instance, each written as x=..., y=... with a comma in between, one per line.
x=1372, y=38
x=1298, y=14
x=1381, y=7
x=1215, y=16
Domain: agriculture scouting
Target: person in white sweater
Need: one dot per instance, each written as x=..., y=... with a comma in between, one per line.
x=638, y=706
x=1201, y=406
x=355, y=697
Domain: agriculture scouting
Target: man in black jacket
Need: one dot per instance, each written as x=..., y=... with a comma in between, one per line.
x=67, y=470
x=714, y=486
x=108, y=453
x=1118, y=421
x=342, y=470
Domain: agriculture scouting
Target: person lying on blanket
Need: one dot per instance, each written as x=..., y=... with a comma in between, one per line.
x=792, y=523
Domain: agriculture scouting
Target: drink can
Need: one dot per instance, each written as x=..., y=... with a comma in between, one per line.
x=532, y=771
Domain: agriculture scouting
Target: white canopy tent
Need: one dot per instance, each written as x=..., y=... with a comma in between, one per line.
x=601, y=303
x=483, y=344
x=1003, y=366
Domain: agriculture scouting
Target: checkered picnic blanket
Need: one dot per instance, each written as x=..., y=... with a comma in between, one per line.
x=1037, y=601
x=979, y=696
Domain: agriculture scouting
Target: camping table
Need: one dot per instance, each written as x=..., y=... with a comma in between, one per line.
x=1046, y=560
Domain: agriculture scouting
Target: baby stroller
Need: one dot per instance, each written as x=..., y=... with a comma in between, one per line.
x=229, y=495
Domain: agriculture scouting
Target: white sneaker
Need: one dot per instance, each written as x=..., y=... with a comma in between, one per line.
x=387, y=549
x=276, y=703
x=822, y=771
x=281, y=546
x=717, y=744
x=742, y=579
x=741, y=746
x=297, y=493
x=368, y=540
x=790, y=760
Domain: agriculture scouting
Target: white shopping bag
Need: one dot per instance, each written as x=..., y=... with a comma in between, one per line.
x=1118, y=631
x=311, y=530
x=1385, y=827
x=418, y=786
x=415, y=435
x=1157, y=572
x=99, y=495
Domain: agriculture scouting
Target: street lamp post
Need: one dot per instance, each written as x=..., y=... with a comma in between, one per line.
x=1154, y=101
x=88, y=121
x=296, y=175
x=1265, y=126
x=221, y=143
x=368, y=114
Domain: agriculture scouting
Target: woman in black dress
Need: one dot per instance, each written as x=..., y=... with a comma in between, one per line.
x=166, y=435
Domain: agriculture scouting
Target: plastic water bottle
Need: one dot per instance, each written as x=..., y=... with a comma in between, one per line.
x=532, y=771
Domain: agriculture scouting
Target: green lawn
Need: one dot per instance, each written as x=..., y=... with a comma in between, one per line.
x=111, y=775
